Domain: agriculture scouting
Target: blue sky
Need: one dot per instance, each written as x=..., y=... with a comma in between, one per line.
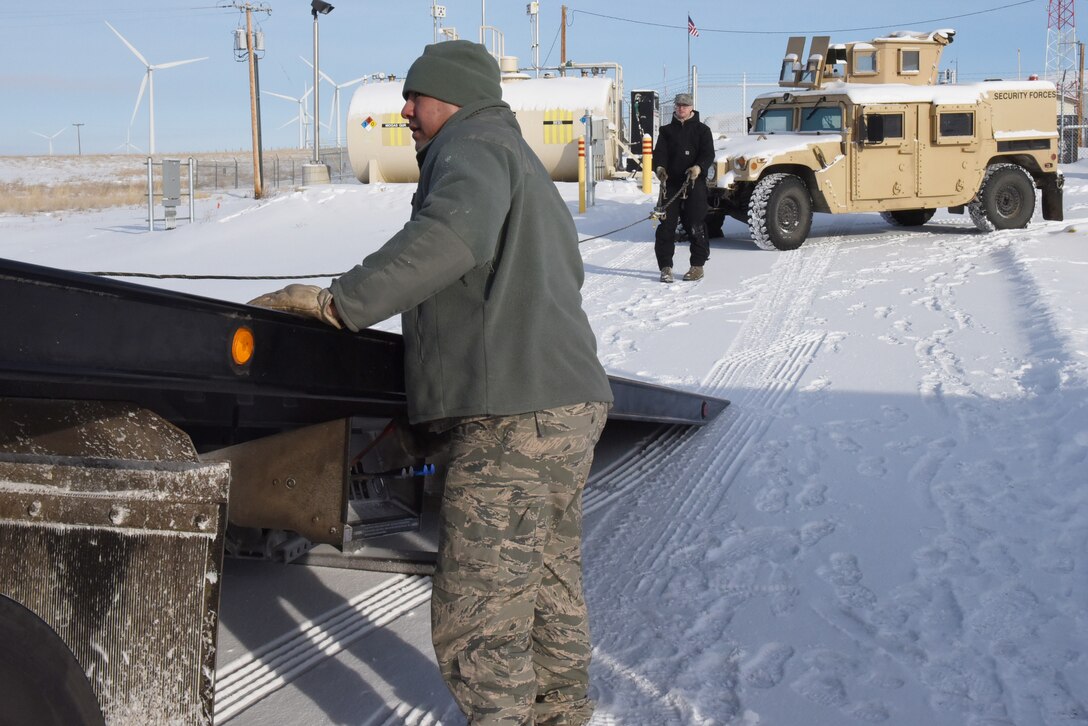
x=60, y=64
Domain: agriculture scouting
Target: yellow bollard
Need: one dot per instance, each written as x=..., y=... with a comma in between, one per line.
x=581, y=175
x=647, y=164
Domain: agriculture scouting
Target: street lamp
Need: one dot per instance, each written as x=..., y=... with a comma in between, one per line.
x=318, y=7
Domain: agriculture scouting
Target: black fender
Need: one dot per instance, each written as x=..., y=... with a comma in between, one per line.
x=1051, y=187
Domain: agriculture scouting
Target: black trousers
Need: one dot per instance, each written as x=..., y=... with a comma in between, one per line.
x=692, y=214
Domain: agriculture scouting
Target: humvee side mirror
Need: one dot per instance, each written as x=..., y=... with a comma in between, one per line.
x=874, y=129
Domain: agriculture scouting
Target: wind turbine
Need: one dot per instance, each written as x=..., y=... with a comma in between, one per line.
x=302, y=115
x=335, y=108
x=148, y=82
x=127, y=144
x=50, y=138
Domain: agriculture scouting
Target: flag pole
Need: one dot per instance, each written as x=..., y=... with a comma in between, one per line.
x=690, y=89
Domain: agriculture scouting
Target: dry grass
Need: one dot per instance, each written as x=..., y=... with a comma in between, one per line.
x=35, y=185
x=21, y=198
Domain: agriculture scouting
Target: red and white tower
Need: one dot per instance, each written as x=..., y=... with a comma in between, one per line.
x=1061, y=46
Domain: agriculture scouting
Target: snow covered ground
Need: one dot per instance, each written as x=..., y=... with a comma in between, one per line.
x=888, y=525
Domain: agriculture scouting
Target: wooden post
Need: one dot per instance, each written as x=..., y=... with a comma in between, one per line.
x=563, y=44
x=250, y=50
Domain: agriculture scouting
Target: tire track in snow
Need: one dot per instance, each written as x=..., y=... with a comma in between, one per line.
x=632, y=257
x=765, y=364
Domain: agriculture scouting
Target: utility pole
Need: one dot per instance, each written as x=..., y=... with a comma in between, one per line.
x=250, y=56
x=563, y=45
x=79, y=144
x=249, y=49
x=533, y=11
x=438, y=12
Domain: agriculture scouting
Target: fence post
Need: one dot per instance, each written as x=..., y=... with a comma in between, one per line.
x=192, y=202
x=150, y=198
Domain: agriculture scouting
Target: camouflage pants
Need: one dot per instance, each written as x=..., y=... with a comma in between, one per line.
x=508, y=617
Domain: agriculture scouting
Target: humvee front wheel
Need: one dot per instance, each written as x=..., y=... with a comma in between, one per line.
x=780, y=212
x=1006, y=199
x=908, y=217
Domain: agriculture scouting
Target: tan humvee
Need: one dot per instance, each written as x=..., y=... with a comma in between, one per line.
x=864, y=127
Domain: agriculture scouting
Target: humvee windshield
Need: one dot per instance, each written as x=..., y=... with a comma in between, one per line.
x=821, y=119
x=775, y=119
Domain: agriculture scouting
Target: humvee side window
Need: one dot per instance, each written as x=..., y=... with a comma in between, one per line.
x=957, y=124
x=775, y=120
x=909, y=61
x=864, y=61
x=821, y=119
x=893, y=125
x=882, y=126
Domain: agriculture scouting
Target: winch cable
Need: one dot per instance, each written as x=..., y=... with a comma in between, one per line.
x=657, y=213
x=212, y=277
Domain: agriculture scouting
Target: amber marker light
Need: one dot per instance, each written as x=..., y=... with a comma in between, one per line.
x=241, y=346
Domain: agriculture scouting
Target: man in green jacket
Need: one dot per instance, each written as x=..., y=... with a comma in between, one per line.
x=500, y=357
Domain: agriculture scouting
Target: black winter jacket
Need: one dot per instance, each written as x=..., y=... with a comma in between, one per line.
x=682, y=145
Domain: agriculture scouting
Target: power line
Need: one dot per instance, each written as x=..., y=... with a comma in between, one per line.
x=806, y=32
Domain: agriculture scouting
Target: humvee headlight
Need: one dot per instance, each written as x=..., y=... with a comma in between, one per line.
x=740, y=162
x=712, y=173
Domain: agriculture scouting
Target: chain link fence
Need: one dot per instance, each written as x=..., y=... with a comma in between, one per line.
x=1071, y=136
x=722, y=100
x=277, y=170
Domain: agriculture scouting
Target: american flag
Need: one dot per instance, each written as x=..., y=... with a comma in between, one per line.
x=692, y=30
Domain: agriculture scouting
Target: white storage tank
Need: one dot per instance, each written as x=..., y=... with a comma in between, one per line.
x=549, y=111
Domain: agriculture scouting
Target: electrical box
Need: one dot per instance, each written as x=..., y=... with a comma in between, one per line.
x=645, y=119
x=171, y=190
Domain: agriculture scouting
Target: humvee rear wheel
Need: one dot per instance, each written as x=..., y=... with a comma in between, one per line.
x=1006, y=199
x=780, y=212
x=908, y=217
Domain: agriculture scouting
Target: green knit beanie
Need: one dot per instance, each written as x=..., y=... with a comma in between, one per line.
x=455, y=71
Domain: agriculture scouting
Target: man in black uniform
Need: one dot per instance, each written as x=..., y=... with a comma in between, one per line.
x=685, y=150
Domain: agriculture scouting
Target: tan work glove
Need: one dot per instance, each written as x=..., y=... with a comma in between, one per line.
x=662, y=175
x=309, y=301
x=693, y=172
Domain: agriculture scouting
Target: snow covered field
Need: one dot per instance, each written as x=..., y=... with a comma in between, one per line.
x=888, y=525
